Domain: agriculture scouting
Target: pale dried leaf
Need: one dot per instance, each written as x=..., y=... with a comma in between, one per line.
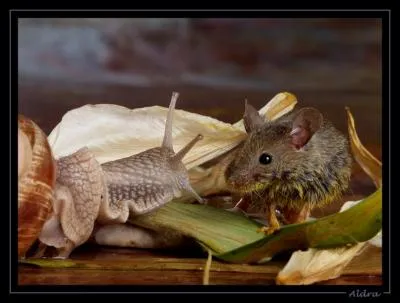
x=316, y=265
x=211, y=180
x=371, y=165
x=377, y=240
x=113, y=132
x=207, y=268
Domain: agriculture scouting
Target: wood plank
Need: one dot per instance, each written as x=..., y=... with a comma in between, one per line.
x=133, y=266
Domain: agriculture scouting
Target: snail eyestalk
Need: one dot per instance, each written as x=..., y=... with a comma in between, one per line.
x=167, y=141
x=179, y=155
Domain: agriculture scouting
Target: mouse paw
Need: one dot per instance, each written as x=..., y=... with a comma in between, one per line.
x=268, y=230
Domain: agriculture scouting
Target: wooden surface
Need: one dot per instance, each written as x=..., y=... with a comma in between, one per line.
x=133, y=266
x=214, y=64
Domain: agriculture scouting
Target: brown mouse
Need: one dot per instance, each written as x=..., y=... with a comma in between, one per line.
x=295, y=163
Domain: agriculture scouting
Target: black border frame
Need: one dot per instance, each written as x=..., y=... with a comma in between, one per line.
x=384, y=14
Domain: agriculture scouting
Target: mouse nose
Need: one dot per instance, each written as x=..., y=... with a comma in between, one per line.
x=238, y=179
x=257, y=177
x=285, y=174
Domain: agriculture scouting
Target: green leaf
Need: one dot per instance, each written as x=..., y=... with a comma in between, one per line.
x=216, y=229
x=234, y=238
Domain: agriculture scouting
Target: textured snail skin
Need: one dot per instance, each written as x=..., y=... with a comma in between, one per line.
x=76, y=200
x=35, y=186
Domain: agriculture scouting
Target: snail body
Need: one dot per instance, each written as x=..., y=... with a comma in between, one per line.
x=78, y=192
x=150, y=179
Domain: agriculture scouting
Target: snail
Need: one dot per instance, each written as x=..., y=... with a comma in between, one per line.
x=79, y=192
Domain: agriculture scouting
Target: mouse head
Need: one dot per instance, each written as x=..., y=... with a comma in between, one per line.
x=274, y=150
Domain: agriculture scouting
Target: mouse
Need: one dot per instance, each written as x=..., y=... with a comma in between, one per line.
x=289, y=165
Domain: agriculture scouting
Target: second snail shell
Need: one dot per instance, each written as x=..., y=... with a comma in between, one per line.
x=36, y=181
x=58, y=200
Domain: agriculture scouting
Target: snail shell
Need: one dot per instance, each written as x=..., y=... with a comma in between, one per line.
x=36, y=181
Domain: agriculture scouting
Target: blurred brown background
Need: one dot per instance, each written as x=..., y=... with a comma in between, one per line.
x=214, y=63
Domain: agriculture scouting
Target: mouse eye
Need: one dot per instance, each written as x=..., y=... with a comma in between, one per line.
x=265, y=158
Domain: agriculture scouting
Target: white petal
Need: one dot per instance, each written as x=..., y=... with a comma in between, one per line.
x=113, y=132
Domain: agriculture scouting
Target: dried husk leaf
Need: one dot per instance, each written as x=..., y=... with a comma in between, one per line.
x=371, y=166
x=316, y=265
x=207, y=268
x=209, y=181
x=113, y=132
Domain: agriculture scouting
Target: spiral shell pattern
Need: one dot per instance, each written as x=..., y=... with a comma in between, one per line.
x=36, y=181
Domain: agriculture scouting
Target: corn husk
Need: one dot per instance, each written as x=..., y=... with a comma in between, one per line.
x=371, y=166
x=113, y=132
x=234, y=238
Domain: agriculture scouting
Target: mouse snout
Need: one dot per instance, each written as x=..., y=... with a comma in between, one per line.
x=257, y=177
x=238, y=179
x=285, y=174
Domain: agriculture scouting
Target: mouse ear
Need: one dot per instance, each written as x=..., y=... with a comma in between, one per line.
x=306, y=122
x=251, y=118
